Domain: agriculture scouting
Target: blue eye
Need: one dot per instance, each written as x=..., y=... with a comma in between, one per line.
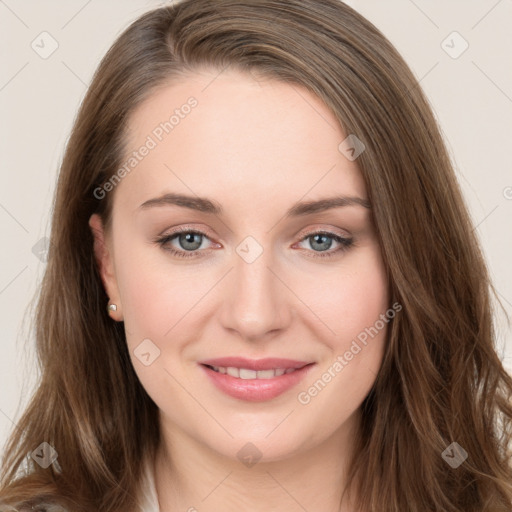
x=191, y=240
x=320, y=239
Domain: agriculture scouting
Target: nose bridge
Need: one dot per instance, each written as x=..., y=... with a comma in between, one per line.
x=256, y=301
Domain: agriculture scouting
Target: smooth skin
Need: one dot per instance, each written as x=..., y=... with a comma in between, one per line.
x=256, y=148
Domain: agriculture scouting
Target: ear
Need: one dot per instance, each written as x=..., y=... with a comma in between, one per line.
x=104, y=259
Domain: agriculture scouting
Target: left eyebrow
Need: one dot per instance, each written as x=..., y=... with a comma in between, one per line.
x=206, y=205
x=309, y=207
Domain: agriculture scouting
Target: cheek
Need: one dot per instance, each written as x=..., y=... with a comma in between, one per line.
x=360, y=315
x=357, y=309
x=158, y=304
x=154, y=295
x=352, y=308
x=155, y=301
x=355, y=297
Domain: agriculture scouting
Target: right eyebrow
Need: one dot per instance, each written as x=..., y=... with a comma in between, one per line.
x=201, y=204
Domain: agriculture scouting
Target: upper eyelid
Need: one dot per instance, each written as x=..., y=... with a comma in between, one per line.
x=205, y=233
x=209, y=234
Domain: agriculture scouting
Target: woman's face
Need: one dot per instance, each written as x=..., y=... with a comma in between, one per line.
x=265, y=278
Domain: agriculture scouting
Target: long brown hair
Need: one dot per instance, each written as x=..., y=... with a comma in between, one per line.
x=441, y=380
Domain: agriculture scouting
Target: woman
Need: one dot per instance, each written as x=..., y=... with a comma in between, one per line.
x=325, y=342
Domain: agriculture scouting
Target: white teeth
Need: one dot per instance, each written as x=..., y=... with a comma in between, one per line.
x=234, y=372
x=266, y=374
x=245, y=373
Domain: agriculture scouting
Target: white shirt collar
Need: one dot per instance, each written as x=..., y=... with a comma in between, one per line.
x=148, y=497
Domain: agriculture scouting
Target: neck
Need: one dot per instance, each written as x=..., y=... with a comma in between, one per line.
x=192, y=477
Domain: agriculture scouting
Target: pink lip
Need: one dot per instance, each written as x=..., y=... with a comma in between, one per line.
x=256, y=390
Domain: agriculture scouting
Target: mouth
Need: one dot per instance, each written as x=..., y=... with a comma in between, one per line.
x=255, y=380
x=247, y=373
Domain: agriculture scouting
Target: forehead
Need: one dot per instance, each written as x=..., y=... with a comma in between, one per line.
x=219, y=134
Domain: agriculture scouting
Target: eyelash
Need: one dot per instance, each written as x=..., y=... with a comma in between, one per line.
x=346, y=243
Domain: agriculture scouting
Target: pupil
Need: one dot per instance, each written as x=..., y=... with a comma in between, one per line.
x=326, y=245
x=189, y=238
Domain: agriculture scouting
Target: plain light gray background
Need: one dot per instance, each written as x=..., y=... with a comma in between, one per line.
x=458, y=49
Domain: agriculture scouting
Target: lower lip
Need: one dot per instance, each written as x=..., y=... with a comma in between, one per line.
x=256, y=390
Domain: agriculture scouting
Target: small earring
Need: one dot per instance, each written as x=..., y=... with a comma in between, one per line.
x=111, y=307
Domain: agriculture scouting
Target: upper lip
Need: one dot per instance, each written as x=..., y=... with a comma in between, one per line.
x=255, y=364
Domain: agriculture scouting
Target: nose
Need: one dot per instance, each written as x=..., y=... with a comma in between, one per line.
x=257, y=303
